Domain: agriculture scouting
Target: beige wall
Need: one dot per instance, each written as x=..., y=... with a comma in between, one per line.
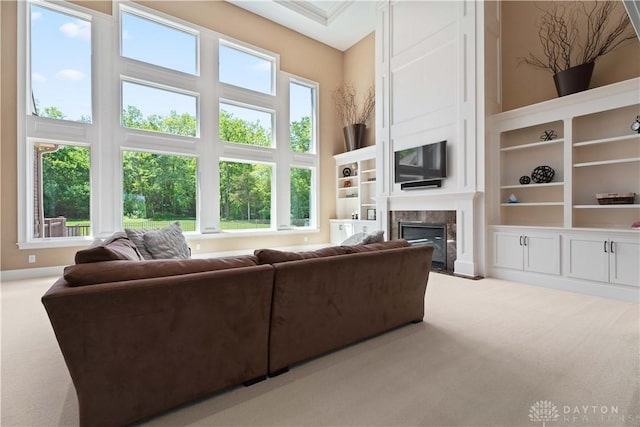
x=523, y=84
x=299, y=55
x=359, y=71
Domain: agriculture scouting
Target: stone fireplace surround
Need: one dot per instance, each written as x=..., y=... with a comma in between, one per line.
x=428, y=217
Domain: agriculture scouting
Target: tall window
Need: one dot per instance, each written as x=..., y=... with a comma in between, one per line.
x=245, y=195
x=158, y=43
x=246, y=69
x=152, y=132
x=245, y=125
x=160, y=110
x=301, y=116
x=62, y=190
x=301, y=206
x=60, y=65
x=158, y=189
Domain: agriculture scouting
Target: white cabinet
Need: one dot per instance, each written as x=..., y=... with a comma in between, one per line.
x=593, y=150
x=603, y=257
x=531, y=251
x=341, y=229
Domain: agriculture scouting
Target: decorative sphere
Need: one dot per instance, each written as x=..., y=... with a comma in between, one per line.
x=524, y=179
x=542, y=174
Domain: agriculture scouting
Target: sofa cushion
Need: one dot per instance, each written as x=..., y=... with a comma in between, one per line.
x=391, y=244
x=117, y=247
x=115, y=271
x=167, y=243
x=136, y=235
x=273, y=256
x=365, y=238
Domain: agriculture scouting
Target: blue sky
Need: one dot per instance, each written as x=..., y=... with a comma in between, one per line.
x=61, y=66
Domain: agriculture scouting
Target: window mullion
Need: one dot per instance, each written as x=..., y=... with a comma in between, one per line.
x=282, y=186
x=106, y=167
x=208, y=148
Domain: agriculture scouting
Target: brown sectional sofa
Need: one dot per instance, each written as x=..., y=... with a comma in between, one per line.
x=142, y=337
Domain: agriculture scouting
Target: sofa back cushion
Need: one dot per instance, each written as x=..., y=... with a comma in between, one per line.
x=115, y=271
x=116, y=248
x=273, y=256
x=391, y=244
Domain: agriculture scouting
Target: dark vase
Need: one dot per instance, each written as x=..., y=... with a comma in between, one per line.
x=574, y=79
x=354, y=136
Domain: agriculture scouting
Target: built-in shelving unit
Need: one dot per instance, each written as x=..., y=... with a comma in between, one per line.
x=595, y=152
x=355, y=193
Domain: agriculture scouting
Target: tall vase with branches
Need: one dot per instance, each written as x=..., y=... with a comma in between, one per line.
x=574, y=36
x=353, y=117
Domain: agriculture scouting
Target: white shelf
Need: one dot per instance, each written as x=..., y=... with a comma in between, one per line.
x=362, y=165
x=607, y=162
x=532, y=145
x=522, y=186
x=533, y=204
x=627, y=206
x=607, y=140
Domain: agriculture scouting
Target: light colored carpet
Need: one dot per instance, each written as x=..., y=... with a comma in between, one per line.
x=487, y=351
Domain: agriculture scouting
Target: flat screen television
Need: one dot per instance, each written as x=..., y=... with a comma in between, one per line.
x=421, y=163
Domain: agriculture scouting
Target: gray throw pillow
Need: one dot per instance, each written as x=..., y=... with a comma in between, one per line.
x=373, y=237
x=167, y=243
x=364, y=238
x=136, y=235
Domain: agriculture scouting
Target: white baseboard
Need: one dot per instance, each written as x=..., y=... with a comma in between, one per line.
x=31, y=273
x=606, y=290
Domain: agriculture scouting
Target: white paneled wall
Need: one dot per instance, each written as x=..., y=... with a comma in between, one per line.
x=428, y=62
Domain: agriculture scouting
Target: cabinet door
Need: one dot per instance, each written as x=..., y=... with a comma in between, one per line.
x=587, y=257
x=340, y=230
x=542, y=253
x=365, y=226
x=507, y=251
x=624, y=261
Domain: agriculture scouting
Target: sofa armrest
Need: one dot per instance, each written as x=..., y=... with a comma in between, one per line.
x=137, y=348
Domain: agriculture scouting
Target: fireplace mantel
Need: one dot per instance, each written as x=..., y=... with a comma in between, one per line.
x=469, y=219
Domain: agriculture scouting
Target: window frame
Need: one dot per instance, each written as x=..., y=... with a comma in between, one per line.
x=108, y=139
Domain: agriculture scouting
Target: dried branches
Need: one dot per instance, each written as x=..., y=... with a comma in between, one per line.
x=344, y=98
x=559, y=33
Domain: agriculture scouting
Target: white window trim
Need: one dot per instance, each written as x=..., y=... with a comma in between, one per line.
x=108, y=139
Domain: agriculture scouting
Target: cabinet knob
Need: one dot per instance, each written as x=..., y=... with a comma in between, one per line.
x=611, y=246
x=605, y=246
x=521, y=241
x=340, y=227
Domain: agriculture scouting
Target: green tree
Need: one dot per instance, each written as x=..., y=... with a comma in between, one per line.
x=300, y=135
x=164, y=186
x=65, y=186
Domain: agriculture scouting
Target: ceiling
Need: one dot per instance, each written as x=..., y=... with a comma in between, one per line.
x=339, y=24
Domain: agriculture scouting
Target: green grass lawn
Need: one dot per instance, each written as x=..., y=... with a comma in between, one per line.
x=187, y=224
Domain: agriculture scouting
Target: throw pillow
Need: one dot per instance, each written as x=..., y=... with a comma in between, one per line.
x=116, y=248
x=167, y=242
x=364, y=238
x=136, y=235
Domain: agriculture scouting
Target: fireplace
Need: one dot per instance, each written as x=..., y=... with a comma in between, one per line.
x=445, y=246
x=428, y=234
